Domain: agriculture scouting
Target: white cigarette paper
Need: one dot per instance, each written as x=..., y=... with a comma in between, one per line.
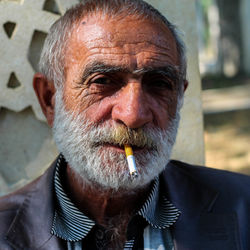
x=131, y=161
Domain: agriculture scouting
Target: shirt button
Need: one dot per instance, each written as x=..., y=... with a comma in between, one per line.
x=99, y=234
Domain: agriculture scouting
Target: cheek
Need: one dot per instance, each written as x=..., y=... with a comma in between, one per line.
x=163, y=109
x=98, y=108
x=99, y=111
x=79, y=97
x=73, y=99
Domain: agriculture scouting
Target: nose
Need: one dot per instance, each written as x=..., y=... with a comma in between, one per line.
x=132, y=107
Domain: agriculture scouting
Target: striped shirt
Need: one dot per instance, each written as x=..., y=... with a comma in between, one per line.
x=73, y=226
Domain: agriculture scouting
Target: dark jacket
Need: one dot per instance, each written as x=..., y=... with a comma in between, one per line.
x=214, y=209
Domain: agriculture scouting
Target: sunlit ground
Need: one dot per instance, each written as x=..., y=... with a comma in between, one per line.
x=227, y=141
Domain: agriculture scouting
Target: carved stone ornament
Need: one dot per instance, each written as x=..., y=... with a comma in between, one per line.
x=23, y=28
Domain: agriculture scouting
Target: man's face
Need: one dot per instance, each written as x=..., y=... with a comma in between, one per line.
x=120, y=96
x=120, y=74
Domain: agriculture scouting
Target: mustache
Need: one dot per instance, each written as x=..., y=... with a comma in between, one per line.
x=140, y=137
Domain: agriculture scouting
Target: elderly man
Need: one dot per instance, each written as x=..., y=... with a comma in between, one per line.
x=114, y=75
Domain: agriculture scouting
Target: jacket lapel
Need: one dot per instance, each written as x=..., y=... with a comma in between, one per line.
x=32, y=224
x=198, y=227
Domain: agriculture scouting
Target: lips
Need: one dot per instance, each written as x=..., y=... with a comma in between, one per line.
x=120, y=147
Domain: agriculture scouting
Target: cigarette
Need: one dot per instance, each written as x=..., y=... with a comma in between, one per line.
x=131, y=161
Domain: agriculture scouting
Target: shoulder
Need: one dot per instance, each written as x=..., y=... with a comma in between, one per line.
x=40, y=184
x=220, y=180
x=13, y=200
x=11, y=204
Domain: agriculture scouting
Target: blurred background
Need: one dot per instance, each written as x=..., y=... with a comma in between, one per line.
x=224, y=62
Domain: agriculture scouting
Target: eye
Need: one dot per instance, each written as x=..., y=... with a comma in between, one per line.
x=103, y=84
x=102, y=80
x=162, y=84
x=159, y=84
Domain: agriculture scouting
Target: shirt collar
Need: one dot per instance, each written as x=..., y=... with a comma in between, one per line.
x=72, y=225
x=158, y=211
x=69, y=222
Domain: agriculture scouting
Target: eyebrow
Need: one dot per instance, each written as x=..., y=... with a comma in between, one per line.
x=100, y=67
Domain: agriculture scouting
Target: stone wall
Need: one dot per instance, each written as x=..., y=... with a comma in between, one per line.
x=27, y=147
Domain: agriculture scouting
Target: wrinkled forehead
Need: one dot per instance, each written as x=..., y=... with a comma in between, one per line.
x=97, y=35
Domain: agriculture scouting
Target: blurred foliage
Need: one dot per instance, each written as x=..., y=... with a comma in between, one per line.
x=220, y=81
x=239, y=119
x=204, y=6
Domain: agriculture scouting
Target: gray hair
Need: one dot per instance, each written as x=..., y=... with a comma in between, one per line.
x=52, y=57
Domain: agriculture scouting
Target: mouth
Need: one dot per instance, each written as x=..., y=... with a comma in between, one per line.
x=120, y=148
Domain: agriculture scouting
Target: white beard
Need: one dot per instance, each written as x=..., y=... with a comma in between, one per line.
x=81, y=143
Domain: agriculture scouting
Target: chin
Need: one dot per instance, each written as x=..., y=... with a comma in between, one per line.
x=111, y=172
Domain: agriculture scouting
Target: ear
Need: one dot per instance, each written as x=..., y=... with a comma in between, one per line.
x=185, y=85
x=45, y=92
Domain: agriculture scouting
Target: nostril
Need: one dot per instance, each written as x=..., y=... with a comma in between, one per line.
x=132, y=118
x=120, y=122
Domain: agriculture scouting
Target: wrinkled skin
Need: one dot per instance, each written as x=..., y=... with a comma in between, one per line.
x=131, y=99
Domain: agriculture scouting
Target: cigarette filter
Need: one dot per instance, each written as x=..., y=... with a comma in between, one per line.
x=131, y=161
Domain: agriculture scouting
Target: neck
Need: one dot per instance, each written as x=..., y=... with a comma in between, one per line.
x=102, y=205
